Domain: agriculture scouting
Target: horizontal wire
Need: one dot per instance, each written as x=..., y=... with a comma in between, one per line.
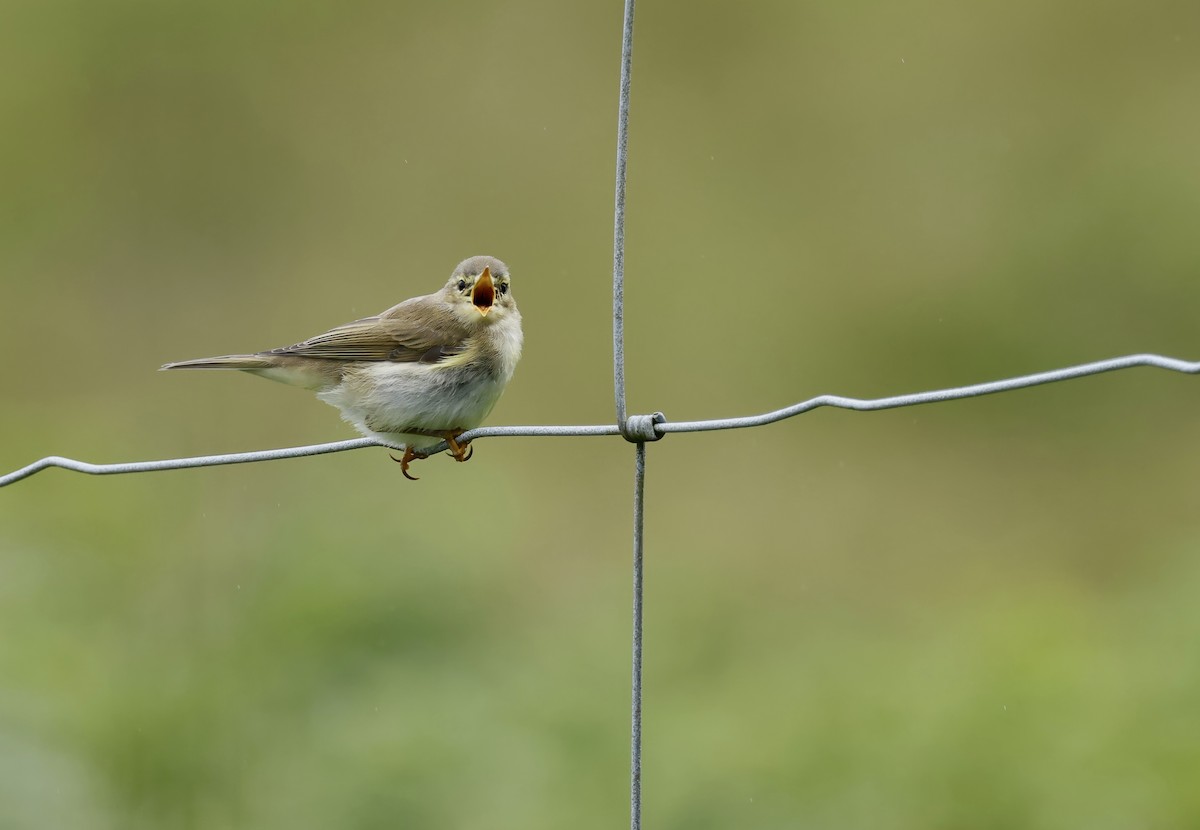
x=937, y=395
x=661, y=428
x=285, y=452
x=183, y=463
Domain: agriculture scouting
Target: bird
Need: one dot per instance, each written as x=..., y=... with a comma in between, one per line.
x=424, y=371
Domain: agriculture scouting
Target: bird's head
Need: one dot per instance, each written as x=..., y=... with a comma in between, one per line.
x=480, y=290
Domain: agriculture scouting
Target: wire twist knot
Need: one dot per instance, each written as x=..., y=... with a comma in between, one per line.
x=640, y=428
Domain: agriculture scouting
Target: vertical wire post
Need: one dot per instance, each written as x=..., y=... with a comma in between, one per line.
x=635, y=718
x=619, y=216
x=639, y=479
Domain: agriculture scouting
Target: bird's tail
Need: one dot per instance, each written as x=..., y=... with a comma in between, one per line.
x=229, y=361
x=308, y=373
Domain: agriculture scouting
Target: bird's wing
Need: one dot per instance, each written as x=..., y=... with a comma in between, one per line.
x=422, y=330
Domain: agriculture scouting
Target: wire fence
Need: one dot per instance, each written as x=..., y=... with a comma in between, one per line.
x=637, y=429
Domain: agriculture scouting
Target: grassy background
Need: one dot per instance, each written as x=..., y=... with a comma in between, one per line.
x=976, y=614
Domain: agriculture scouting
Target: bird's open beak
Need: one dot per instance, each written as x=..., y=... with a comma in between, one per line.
x=485, y=293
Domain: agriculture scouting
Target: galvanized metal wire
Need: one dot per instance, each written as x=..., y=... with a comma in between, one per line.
x=619, y=213
x=642, y=429
x=635, y=718
x=658, y=423
x=639, y=429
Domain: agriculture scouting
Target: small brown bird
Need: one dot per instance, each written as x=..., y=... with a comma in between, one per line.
x=419, y=373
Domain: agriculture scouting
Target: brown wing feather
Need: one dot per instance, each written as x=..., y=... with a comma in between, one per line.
x=420, y=329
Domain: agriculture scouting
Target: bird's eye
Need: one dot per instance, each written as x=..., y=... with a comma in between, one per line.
x=503, y=288
x=462, y=285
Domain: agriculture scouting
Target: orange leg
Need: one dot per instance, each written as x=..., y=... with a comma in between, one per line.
x=461, y=452
x=410, y=455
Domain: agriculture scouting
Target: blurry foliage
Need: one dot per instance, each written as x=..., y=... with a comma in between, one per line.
x=973, y=614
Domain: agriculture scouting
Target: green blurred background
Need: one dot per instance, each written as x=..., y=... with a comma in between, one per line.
x=979, y=614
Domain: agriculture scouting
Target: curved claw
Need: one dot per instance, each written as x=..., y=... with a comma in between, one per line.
x=409, y=455
x=461, y=452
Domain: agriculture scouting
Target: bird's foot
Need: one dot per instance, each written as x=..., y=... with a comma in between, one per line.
x=410, y=455
x=461, y=452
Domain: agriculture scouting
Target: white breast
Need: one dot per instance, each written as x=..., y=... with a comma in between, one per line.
x=382, y=399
